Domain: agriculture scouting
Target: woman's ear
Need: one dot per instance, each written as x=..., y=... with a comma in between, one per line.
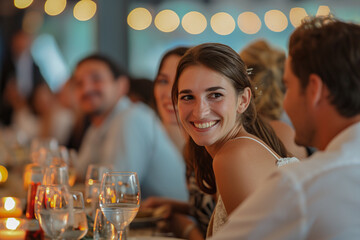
x=244, y=100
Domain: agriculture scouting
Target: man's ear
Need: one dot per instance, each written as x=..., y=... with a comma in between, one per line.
x=244, y=100
x=123, y=85
x=316, y=90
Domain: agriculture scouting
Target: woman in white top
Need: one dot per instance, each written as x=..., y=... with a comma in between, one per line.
x=231, y=148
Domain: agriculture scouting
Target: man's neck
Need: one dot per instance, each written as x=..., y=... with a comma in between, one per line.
x=332, y=128
x=98, y=119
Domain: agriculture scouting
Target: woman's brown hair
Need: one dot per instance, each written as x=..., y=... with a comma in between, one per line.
x=224, y=60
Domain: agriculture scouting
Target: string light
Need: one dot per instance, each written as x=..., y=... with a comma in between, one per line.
x=222, y=23
x=323, y=11
x=249, y=22
x=139, y=18
x=276, y=20
x=194, y=22
x=84, y=10
x=167, y=20
x=54, y=7
x=21, y=4
x=296, y=15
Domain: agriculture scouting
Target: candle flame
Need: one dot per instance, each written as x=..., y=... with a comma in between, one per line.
x=9, y=204
x=12, y=223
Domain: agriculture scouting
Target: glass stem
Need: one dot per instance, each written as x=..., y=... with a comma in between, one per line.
x=121, y=235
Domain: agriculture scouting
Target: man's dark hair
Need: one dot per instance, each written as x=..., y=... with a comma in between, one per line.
x=329, y=48
x=114, y=68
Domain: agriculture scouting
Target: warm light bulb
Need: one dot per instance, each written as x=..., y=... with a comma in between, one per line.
x=139, y=18
x=296, y=15
x=167, y=20
x=54, y=7
x=22, y=3
x=276, y=20
x=323, y=11
x=84, y=10
x=249, y=22
x=222, y=23
x=194, y=22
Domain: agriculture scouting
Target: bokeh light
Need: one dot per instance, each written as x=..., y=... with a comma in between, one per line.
x=22, y=3
x=12, y=223
x=54, y=7
x=222, y=23
x=276, y=20
x=139, y=18
x=249, y=22
x=84, y=10
x=194, y=22
x=296, y=15
x=3, y=174
x=323, y=11
x=167, y=20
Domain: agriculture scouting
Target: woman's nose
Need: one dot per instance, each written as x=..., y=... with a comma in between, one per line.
x=201, y=109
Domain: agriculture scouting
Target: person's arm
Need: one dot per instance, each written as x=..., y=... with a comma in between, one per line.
x=276, y=210
x=241, y=164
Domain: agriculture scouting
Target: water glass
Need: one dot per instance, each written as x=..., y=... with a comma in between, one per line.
x=77, y=226
x=119, y=199
x=103, y=228
x=52, y=207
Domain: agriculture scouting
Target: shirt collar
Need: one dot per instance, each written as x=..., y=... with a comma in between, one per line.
x=351, y=133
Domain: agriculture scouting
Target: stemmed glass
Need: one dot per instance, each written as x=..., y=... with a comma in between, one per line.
x=120, y=199
x=77, y=226
x=93, y=178
x=52, y=207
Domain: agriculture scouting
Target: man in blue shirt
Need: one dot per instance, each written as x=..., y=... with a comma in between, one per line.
x=123, y=134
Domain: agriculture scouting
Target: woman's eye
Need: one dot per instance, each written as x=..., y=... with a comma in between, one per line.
x=216, y=95
x=186, y=97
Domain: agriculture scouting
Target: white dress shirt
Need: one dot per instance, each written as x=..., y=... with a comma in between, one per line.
x=316, y=199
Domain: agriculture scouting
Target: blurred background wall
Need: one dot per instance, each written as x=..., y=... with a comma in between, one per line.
x=137, y=32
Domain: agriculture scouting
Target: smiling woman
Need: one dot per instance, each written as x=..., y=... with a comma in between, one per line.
x=228, y=141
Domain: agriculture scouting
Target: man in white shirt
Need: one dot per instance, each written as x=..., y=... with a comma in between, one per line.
x=318, y=198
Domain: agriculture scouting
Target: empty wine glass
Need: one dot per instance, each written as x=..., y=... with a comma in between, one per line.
x=103, y=228
x=56, y=175
x=77, y=226
x=93, y=178
x=120, y=199
x=52, y=207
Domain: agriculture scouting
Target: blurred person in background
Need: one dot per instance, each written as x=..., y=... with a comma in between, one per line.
x=56, y=120
x=142, y=89
x=200, y=205
x=124, y=134
x=266, y=67
x=19, y=79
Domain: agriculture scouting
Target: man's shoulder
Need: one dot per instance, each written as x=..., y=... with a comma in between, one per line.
x=321, y=164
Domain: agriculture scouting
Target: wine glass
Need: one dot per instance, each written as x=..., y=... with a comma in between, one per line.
x=56, y=175
x=77, y=226
x=103, y=228
x=120, y=199
x=93, y=178
x=52, y=207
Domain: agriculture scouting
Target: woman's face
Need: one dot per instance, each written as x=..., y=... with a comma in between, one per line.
x=207, y=104
x=162, y=89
